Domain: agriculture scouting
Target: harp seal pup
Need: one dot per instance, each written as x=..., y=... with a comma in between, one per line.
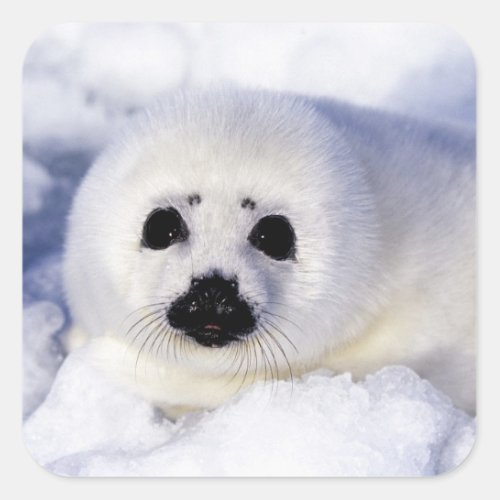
x=232, y=236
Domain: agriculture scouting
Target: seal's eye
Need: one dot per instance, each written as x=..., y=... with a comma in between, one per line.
x=274, y=236
x=163, y=227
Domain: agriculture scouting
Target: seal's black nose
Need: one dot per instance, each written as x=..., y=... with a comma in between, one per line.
x=212, y=312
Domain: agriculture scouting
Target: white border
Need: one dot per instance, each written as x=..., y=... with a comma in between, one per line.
x=476, y=22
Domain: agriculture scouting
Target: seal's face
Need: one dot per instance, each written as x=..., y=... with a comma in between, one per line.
x=212, y=262
x=221, y=235
x=212, y=311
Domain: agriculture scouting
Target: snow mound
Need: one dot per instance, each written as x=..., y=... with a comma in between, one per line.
x=82, y=80
x=391, y=424
x=36, y=184
x=42, y=354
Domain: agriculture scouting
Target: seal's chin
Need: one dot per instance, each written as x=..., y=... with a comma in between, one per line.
x=212, y=335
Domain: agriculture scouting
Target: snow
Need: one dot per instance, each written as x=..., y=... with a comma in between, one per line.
x=391, y=424
x=81, y=82
x=79, y=79
x=36, y=184
x=42, y=354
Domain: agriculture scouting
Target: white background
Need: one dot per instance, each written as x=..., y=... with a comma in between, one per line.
x=475, y=23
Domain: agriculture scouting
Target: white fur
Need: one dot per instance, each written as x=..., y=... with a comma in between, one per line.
x=383, y=210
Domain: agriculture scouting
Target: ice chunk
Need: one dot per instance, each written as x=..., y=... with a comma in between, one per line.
x=60, y=115
x=392, y=424
x=42, y=354
x=36, y=184
x=85, y=414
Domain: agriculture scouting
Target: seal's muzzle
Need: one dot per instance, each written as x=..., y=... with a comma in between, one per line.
x=212, y=312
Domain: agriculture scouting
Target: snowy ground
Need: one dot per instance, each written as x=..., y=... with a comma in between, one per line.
x=81, y=82
x=392, y=424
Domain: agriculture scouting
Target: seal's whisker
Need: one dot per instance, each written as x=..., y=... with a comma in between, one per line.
x=139, y=352
x=256, y=358
x=158, y=312
x=237, y=348
x=247, y=359
x=264, y=303
x=280, y=331
x=160, y=330
x=175, y=347
x=227, y=353
x=138, y=310
x=157, y=316
x=264, y=359
x=144, y=343
x=184, y=344
x=172, y=334
x=242, y=353
x=280, y=347
x=265, y=311
x=276, y=377
x=163, y=334
x=250, y=295
x=288, y=364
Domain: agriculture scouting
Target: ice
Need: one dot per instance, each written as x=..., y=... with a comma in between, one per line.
x=42, y=353
x=80, y=81
x=57, y=114
x=84, y=414
x=36, y=184
x=43, y=281
x=391, y=424
x=155, y=61
x=364, y=63
x=44, y=322
x=120, y=64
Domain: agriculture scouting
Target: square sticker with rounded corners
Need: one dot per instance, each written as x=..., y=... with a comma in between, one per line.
x=249, y=250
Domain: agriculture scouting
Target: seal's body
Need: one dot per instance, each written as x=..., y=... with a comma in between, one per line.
x=234, y=236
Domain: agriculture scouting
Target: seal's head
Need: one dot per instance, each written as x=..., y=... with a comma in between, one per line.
x=224, y=233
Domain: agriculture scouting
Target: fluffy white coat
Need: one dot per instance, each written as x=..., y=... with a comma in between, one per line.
x=384, y=214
